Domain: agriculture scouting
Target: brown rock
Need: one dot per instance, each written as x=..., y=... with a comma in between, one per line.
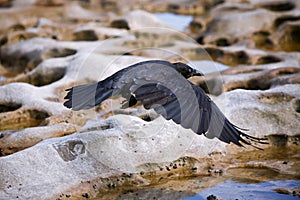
x=50, y=2
x=119, y=23
x=5, y=3
x=289, y=39
x=85, y=35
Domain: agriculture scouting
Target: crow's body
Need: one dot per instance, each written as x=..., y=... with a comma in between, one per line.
x=162, y=86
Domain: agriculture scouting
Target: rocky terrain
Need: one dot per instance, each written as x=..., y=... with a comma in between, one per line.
x=249, y=51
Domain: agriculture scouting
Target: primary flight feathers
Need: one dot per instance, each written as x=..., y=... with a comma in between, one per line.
x=163, y=86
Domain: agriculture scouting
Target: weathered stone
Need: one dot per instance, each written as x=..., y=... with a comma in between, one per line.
x=49, y=3
x=5, y=3
x=271, y=111
x=139, y=19
x=237, y=24
x=120, y=23
x=50, y=152
x=85, y=35
x=289, y=36
x=26, y=55
x=64, y=162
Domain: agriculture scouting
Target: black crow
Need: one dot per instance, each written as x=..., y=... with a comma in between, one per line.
x=163, y=86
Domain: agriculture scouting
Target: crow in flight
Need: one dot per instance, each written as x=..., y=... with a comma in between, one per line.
x=163, y=86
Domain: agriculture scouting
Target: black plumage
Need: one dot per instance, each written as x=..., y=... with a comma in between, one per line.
x=163, y=86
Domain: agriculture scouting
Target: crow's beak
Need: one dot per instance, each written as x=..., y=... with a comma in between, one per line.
x=197, y=73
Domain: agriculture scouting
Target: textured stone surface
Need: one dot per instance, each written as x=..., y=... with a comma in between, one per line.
x=127, y=144
x=248, y=51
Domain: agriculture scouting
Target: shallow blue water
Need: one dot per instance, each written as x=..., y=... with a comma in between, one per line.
x=178, y=22
x=260, y=191
x=2, y=78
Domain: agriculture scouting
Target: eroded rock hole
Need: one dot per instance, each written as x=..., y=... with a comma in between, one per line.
x=215, y=53
x=18, y=62
x=285, y=71
x=281, y=20
x=70, y=150
x=279, y=140
x=279, y=6
x=146, y=118
x=296, y=105
x=85, y=35
x=54, y=75
x=241, y=57
x=273, y=98
x=267, y=60
x=20, y=119
x=59, y=52
x=9, y=107
x=223, y=42
x=120, y=23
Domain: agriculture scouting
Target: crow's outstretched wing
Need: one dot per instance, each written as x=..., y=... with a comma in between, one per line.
x=202, y=116
x=159, y=86
x=88, y=95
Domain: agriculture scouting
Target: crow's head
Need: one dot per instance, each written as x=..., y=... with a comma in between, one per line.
x=186, y=70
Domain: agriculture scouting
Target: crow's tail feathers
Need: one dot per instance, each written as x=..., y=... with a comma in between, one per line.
x=86, y=96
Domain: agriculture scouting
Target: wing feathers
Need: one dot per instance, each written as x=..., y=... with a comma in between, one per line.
x=193, y=109
x=86, y=96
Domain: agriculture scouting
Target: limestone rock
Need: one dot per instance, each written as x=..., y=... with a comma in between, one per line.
x=26, y=55
x=239, y=23
x=248, y=54
x=139, y=19
x=49, y=3
x=288, y=36
x=63, y=163
x=269, y=112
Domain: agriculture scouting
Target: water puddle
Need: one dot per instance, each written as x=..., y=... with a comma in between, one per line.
x=2, y=78
x=178, y=22
x=234, y=190
x=270, y=174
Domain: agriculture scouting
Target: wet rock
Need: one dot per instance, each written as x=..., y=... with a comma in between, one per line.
x=86, y=195
x=211, y=197
x=156, y=193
